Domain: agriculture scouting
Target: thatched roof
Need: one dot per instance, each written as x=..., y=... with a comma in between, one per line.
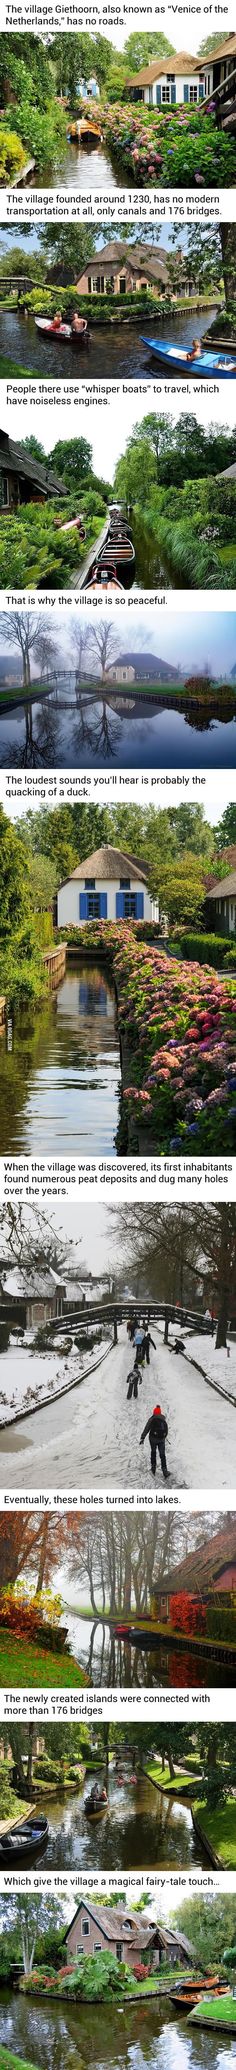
x=119, y=1924
x=139, y=257
x=177, y=65
x=225, y=887
x=23, y=464
x=223, y=50
x=202, y=1567
x=108, y=864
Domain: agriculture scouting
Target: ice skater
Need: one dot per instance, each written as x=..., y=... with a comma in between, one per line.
x=157, y=1430
x=134, y=1381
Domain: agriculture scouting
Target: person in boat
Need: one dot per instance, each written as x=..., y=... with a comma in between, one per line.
x=157, y=1430
x=134, y=1381
x=78, y=326
x=196, y=348
x=57, y=320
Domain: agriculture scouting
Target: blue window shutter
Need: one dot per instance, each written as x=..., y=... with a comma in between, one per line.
x=103, y=905
x=83, y=905
x=119, y=905
x=158, y=96
x=201, y=93
x=186, y=93
x=139, y=902
x=173, y=95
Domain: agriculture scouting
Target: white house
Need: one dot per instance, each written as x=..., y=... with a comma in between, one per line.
x=181, y=80
x=172, y=82
x=106, y=886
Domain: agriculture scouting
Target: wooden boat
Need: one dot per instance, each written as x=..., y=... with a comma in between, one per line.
x=189, y=1994
x=207, y=362
x=94, y=1812
x=123, y=556
x=63, y=330
x=86, y=127
x=24, y=1840
x=100, y=578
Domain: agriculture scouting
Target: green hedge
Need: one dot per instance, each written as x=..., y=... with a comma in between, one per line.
x=45, y=301
x=221, y=1624
x=205, y=948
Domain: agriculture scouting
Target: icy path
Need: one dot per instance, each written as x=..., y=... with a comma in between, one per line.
x=91, y=1439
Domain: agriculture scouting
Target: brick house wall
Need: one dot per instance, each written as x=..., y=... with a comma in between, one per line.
x=78, y=1941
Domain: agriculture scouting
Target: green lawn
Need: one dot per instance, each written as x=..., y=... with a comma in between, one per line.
x=168, y=1782
x=219, y=1827
x=221, y=2009
x=8, y=369
x=23, y=1665
x=13, y=693
x=9, y=2062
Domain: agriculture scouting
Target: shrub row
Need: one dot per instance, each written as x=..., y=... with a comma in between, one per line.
x=206, y=948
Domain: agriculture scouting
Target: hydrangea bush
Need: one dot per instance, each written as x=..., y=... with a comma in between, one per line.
x=177, y=1023
x=177, y=148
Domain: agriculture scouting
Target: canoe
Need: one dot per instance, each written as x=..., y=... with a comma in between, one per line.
x=173, y=356
x=64, y=330
x=123, y=554
x=186, y=2000
x=24, y=1840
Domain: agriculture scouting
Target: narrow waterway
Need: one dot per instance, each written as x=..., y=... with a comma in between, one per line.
x=111, y=1662
x=113, y=352
x=143, y=1829
x=120, y=732
x=130, y=2038
x=84, y=167
x=59, y=1084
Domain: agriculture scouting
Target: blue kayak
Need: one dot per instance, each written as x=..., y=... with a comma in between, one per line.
x=218, y=363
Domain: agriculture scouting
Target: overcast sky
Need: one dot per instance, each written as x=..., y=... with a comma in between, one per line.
x=108, y=427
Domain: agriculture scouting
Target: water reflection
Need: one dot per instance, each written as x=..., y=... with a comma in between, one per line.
x=136, y=2036
x=59, y=1086
x=73, y=729
x=85, y=169
x=112, y=1661
x=113, y=353
x=143, y=1829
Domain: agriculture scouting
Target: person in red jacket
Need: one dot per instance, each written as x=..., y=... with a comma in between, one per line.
x=157, y=1430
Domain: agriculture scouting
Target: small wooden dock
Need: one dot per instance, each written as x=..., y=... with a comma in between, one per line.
x=54, y=960
x=8, y=1824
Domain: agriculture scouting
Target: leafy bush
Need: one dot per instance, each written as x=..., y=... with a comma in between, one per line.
x=174, y=149
x=35, y=550
x=140, y=1971
x=12, y=156
x=204, y=948
x=42, y=132
x=187, y=1614
x=221, y=1622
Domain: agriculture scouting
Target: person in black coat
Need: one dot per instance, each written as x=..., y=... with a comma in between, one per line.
x=147, y=1340
x=157, y=1430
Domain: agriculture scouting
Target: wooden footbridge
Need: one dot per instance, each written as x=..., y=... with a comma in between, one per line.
x=112, y=1313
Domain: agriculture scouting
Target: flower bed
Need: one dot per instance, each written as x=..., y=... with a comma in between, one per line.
x=177, y=1025
x=175, y=149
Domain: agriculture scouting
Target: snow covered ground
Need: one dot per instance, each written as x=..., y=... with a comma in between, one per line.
x=27, y=1377
x=92, y=1439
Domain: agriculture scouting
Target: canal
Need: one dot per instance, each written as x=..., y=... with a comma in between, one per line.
x=83, y=2037
x=113, y=353
x=112, y=1662
x=59, y=1083
x=71, y=730
x=143, y=1829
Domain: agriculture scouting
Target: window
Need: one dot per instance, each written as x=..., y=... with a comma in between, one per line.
x=209, y=82
x=90, y=882
x=119, y=1950
x=123, y=285
x=98, y=284
x=78, y=1951
x=85, y=1926
x=97, y=1947
x=89, y=284
x=193, y=93
x=165, y=93
x=124, y=883
x=129, y=905
x=93, y=905
x=5, y=487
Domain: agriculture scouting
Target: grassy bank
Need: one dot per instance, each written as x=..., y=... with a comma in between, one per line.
x=219, y=1828
x=10, y=2062
x=23, y=1665
x=173, y=1785
x=218, y=2011
x=10, y=370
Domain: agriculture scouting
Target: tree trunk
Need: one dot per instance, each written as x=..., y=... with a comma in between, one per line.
x=31, y=1731
x=227, y=233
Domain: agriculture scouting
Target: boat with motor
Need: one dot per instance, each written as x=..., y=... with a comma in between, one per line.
x=23, y=1840
x=95, y=1806
x=63, y=330
x=173, y=357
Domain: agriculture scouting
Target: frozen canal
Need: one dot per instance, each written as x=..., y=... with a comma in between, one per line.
x=91, y=1439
